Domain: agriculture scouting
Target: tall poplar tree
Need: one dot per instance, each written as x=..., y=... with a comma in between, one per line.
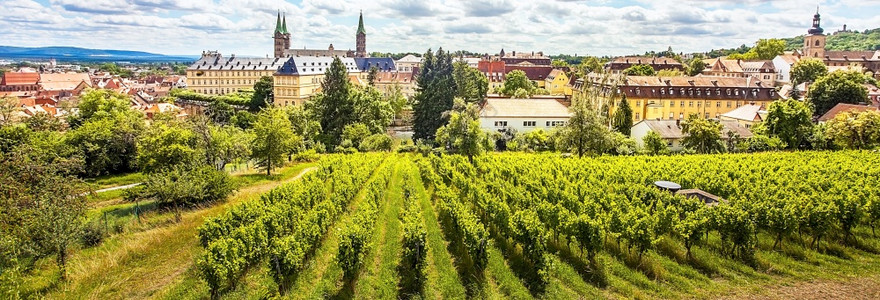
x=334, y=106
x=435, y=93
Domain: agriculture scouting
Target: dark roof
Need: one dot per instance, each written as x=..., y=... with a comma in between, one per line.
x=843, y=107
x=850, y=55
x=384, y=64
x=536, y=73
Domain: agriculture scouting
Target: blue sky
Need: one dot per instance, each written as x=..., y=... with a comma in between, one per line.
x=594, y=27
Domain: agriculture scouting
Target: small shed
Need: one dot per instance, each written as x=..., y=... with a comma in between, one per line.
x=709, y=199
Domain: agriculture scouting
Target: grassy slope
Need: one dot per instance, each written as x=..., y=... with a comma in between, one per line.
x=145, y=259
x=154, y=260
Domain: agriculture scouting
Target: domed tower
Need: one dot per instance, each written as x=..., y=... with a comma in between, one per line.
x=361, y=47
x=282, y=36
x=814, y=42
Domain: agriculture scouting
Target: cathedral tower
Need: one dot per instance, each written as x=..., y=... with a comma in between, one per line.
x=282, y=36
x=814, y=42
x=361, y=38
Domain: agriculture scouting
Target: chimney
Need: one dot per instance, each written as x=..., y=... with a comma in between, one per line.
x=678, y=123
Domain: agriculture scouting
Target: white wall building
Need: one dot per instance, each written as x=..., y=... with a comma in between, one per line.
x=670, y=131
x=523, y=115
x=408, y=63
x=783, y=64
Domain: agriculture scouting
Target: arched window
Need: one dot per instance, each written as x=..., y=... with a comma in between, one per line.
x=817, y=43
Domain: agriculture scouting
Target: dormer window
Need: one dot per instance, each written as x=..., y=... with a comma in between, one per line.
x=671, y=91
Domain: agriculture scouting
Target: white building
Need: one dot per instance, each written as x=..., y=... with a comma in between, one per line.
x=408, y=63
x=783, y=64
x=670, y=131
x=523, y=115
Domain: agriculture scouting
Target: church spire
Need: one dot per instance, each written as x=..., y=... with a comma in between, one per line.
x=361, y=24
x=278, y=23
x=284, y=24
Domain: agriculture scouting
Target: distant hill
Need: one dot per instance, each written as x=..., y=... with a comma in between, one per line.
x=843, y=41
x=73, y=54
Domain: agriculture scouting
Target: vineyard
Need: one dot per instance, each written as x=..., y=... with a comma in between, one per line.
x=527, y=226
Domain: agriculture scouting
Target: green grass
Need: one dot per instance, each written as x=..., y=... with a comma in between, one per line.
x=108, y=181
x=142, y=259
x=443, y=281
x=379, y=278
x=152, y=257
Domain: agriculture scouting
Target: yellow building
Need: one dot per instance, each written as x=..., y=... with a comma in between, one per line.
x=214, y=74
x=675, y=98
x=557, y=83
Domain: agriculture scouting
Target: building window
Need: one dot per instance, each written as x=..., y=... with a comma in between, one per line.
x=682, y=103
x=707, y=115
x=691, y=104
x=728, y=92
x=638, y=116
x=729, y=104
x=638, y=102
x=718, y=104
x=671, y=115
x=680, y=116
x=500, y=123
x=671, y=91
x=529, y=123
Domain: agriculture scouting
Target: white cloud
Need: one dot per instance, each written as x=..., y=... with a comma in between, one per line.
x=598, y=27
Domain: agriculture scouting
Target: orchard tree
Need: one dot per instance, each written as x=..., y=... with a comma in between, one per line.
x=165, y=145
x=623, y=118
x=220, y=112
x=371, y=109
x=791, y=121
x=9, y=108
x=838, y=87
x=807, y=70
x=703, y=136
x=517, y=80
x=855, y=130
x=462, y=134
x=654, y=143
x=273, y=139
x=95, y=104
x=435, y=93
x=585, y=131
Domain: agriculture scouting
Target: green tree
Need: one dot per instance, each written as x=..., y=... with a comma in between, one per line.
x=273, y=138
x=585, y=132
x=462, y=134
x=855, y=130
x=470, y=83
x=107, y=144
x=304, y=125
x=371, y=109
x=165, y=145
x=838, y=87
x=355, y=133
x=695, y=67
x=9, y=108
x=42, y=208
x=243, y=119
x=768, y=49
x=99, y=104
x=264, y=93
x=435, y=94
x=220, y=112
x=791, y=121
x=640, y=70
x=515, y=81
x=807, y=70
x=654, y=144
x=703, y=136
x=623, y=118
x=185, y=186
x=44, y=122
x=334, y=106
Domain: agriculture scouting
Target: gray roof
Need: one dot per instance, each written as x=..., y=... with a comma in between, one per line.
x=218, y=62
x=749, y=112
x=314, y=65
x=540, y=108
x=671, y=129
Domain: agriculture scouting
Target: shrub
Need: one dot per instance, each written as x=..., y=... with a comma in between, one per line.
x=92, y=235
x=377, y=142
x=181, y=186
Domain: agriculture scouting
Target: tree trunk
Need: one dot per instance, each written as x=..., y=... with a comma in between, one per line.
x=268, y=166
x=62, y=261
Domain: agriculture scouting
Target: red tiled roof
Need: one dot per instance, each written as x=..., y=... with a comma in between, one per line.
x=843, y=107
x=20, y=78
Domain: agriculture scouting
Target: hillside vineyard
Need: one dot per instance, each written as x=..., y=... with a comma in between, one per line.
x=542, y=216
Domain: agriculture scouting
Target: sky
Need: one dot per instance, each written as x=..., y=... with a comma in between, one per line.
x=588, y=27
